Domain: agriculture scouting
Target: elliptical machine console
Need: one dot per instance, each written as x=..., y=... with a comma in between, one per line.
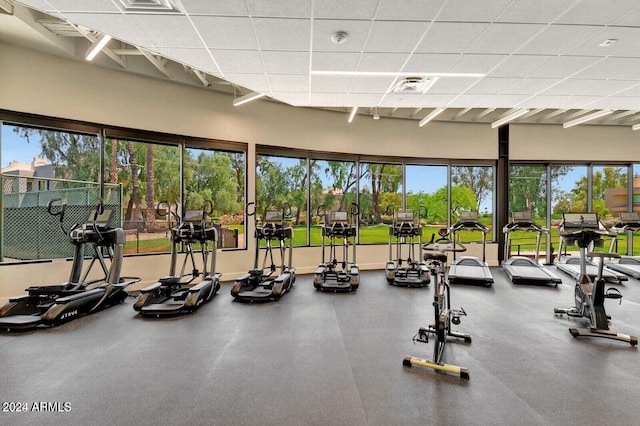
x=585, y=229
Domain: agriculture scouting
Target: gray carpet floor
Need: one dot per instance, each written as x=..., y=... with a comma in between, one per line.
x=329, y=359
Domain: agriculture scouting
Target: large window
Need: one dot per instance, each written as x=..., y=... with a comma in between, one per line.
x=569, y=191
x=40, y=164
x=380, y=189
x=281, y=183
x=472, y=190
x=426, y=189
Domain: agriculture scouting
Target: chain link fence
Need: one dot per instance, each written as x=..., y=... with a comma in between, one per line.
x=30, y=232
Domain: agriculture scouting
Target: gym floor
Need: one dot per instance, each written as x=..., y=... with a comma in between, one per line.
x=329, y=359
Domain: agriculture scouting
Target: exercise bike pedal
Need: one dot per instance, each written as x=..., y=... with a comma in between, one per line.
x=422, y=336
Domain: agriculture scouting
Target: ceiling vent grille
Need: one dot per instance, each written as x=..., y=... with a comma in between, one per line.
x=414, y=84
x=149, y=6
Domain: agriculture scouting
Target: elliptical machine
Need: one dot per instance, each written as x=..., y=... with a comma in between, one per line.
x=338, y=275
x=261, y=284
x=56, y=304
x=585, y=229
x=178, y=293
x=407, y=231
x=444, y=316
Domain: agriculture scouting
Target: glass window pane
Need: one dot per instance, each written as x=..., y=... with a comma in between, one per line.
x=39, y=166
x=427, y=189
x=215, y=179
x=380, y=187
x=149, y=174
x=281, y=183
x=333, y=185
x=472, y=190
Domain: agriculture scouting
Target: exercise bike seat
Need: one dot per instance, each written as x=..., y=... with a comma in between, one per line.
x=435, y=255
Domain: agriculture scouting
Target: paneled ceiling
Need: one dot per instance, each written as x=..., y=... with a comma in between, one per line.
x=551, y=61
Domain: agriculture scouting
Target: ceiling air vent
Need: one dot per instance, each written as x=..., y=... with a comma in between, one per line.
x=149, y=6
x=414, y=84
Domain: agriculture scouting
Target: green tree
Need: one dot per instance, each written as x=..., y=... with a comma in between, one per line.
x=477, y=178
x=271, y=185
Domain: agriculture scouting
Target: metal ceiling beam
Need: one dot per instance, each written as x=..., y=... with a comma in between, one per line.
x=201, y=76
x=578, y=114
x=87, y=34
x=483, y=113
x=553, y=114
x=155, y=62
x=461, y=113
x=6, y=7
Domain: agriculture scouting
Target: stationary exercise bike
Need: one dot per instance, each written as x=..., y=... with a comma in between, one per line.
x=444, y=316
x=406, y=230
x=585, y=229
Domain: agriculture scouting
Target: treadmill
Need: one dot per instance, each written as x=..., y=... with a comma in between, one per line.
x=629, y=265
x=523, y=269
x=470, y=269
x=570, y=265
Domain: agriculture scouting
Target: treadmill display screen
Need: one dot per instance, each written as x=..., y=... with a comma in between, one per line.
x=468, y=216
x=630, y=217
x=580, y=220
x=522, y=217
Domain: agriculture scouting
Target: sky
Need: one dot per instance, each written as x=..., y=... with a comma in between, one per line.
x=15, y=149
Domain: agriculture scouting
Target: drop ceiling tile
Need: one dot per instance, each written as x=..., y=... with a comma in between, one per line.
x=80, y=6
x=488, y=86
x=617, y=102
x=239, y=61
x=505, y=38
x=386, y=62
x=334, y=61
x=509, y=100
x=280, y=8
x=473, y=101
x=631, y=19
x=597, y=12
x=226, y=32
x=559, y=39
x=452, y=86
x=451, y=37
x=589, y=87
x=521, y=66
x=434, y=63
x=409, y=10
x=116, y=25
x=560, y=102
x=329, y=99
x=564, y=66
x=617, y=68
x=539, y=11
x=42, y=5
x=632, y=91
x=289, y=83
x=378, y=85
x=357, y=33
x=410, y=100
x=625, y=46
x=531, y=86
x=470, y=63
x=255, y=82
x=216, y=7
x=330, y=84
x=282, y=34
x=395, y=36
x=473, y=11
x=166, y=30
x=340, y=9
x=286, y=62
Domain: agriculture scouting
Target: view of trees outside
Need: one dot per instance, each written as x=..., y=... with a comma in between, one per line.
x=427, y=186
x=149, y=173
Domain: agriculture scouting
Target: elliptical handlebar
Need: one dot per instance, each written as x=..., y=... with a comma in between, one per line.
x=63, y=208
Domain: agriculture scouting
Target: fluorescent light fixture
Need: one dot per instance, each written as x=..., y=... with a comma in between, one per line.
x=247, y=98
x=433, y=114
x=97, y=47
x=352, y=114
x=635, y=127
x=508, y=118
x=586, y=118
x=398, y=74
